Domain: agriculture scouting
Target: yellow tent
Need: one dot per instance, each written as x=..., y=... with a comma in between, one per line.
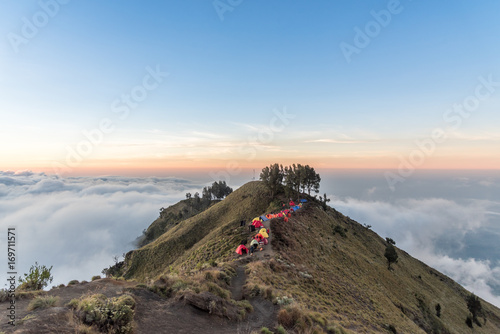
x=257, y=218
x=264, y=233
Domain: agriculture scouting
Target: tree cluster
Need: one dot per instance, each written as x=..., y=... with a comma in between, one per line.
x=296, y=178
x=218, y=190
x=476, y=309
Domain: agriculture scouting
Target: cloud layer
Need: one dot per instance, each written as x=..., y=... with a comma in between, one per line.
x=438, y=232
x=79, y=224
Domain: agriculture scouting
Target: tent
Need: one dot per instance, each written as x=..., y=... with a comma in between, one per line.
x=264, y=218
x=264, y=233
x=257, y=224
x=303, y=200
x=257, y=218
x=242, y=250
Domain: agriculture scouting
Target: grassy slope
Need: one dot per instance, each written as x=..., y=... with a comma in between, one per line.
x=212, y=234
x=170, y=218
x=351, y=284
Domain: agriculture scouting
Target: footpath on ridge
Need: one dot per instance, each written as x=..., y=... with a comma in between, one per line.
x=239, y=280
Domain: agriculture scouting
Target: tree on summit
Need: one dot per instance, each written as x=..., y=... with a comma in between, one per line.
x=295, y=179
x=272, y=176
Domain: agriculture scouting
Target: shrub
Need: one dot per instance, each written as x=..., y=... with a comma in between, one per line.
x=246, y=305
x=265, y=330
x=284, y=301
x=73, y=303
x=438, y=310
x=468, y=321
x=179, y=285
x=37, y=278
x=73, y=282
x=391, y=255
x=217, y=290
x=43, y=302
x=281, y=330
x=95, y=277
x=338, y=229
x=292, y=317
x=475, y=308
x=113, y=315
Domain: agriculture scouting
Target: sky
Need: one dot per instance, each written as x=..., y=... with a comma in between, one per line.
x=162, y=87
x=124, y=106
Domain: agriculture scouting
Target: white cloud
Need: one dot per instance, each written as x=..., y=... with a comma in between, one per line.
x=79, y=224
x=432, y=229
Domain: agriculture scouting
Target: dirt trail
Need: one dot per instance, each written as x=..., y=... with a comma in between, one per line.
x=239, y=280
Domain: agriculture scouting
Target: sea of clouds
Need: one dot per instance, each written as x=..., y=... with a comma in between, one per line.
x=78, y=224
x=449, y=221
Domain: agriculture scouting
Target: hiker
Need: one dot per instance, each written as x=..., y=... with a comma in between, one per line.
x=242, y=223
x=242, y=249
x=286, y=219
x=253, y=246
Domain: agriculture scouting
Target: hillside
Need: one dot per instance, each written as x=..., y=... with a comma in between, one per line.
x=326, y=262
x=321, y=273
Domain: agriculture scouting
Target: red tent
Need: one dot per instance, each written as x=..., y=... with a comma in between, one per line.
x=291, y=203
x=258, y=224
x=242, y=250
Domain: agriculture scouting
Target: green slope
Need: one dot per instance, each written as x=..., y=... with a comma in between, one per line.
x=332, y=267
x=210, y=235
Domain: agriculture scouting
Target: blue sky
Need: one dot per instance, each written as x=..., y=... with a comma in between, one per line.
x=227, y=76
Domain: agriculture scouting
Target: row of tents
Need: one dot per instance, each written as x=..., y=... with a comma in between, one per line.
x=257, y=223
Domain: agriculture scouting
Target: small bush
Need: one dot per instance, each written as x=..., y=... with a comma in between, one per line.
x=73, y=282
x=265, y=330
x=291, y=317
x=113, y=315
x=468, y=321
x=84, y=329
x=37, y=278
x=217, y=290
x=179, y=285
x=73, y=303
x=338, y=229
x=284, y=301
x=281, y=330
x=246, y=305
x=95, y=277
x=392, y=329
x=438, y=310
x=43, y=302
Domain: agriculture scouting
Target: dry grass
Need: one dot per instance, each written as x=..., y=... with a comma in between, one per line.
x=212, y=235
x=43, y=302
x=330, y=267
